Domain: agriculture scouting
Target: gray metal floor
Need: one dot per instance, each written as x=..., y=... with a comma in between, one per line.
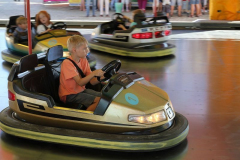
x=203, y=82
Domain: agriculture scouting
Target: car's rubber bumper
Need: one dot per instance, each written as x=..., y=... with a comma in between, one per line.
x=156, y=50
x=9, y=57
x=163, y=140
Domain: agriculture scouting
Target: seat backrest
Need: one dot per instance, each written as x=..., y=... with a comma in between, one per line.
x=107, y=28
x=28, y=62
x=53, y=69
x=12, y=21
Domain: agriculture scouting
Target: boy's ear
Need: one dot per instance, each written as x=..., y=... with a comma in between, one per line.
x=73, y=49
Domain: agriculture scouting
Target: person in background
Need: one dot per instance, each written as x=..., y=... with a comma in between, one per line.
x=160, y=6
x=106, y=7
x=112, y=5
x=98, y=5
x=94, y=3
x=43, y=22
x=204, y=6
x=200, y=8
x=130, y=5
x=186, y=7
x=179, y=2
x=155, y=3
x=166, y=7
x=127, y=4
x=142, y=4
x=194, y=4
x=82, y=6
x=21, y=33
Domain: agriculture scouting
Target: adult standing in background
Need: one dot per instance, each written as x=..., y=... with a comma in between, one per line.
x=142, y=4
x=112, y=5
x=82, y=6
x=127, y=4
x=194, y=4
x=205, y=5
x=186, y=7
x=155, y=5
x=160, y=5
x=179, y=3
x=166, y=7
x=94, y=3
x=200, y=8
x=106, y=7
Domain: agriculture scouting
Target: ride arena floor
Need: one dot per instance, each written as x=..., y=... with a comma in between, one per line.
x=203, y=82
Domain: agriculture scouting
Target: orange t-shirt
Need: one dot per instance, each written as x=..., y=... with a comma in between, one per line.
x=67, y=84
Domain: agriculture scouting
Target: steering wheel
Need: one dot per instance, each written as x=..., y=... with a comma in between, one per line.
x=59, y=25
x=119, y=19
x=110, y=69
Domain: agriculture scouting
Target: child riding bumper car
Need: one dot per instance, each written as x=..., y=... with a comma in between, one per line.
x=40, y=43
x=132, y=114
x=148, y=38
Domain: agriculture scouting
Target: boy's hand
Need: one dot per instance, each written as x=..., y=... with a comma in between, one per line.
x=101, y=78
x=98, y=73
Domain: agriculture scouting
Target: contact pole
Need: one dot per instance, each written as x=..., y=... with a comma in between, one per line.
x=29, y=28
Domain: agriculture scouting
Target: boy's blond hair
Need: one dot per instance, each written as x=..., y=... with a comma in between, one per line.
x=21, y=20
x=76, y=41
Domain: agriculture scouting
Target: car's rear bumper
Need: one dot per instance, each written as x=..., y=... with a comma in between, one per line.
x=156, y=50
x=166, y=139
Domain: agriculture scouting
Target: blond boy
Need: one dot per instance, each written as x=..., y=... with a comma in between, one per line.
x=21, y=33
x=72, y=85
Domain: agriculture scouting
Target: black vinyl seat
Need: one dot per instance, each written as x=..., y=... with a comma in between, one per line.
x=53, y=68
x=12, y=23
x=107, y=28
x=35, y=80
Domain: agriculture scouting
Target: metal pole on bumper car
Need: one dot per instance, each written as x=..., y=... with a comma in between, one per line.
x=27, y=15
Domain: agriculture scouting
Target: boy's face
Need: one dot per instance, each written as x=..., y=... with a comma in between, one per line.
x=23, y=25
x=43, y=18
x=82, y=51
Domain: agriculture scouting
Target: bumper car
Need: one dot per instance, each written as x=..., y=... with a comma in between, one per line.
x=146, y=39
x=132, y=114
x=40, y=43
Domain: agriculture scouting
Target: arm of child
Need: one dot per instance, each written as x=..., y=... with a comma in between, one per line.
x=91, y=77
x=129, y=19
x=122, y=27
x=41, y=29
x=94, y=81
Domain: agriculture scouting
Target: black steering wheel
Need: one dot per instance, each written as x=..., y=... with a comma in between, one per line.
x=59, y=25
x=119, y=18
x=110, y=69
